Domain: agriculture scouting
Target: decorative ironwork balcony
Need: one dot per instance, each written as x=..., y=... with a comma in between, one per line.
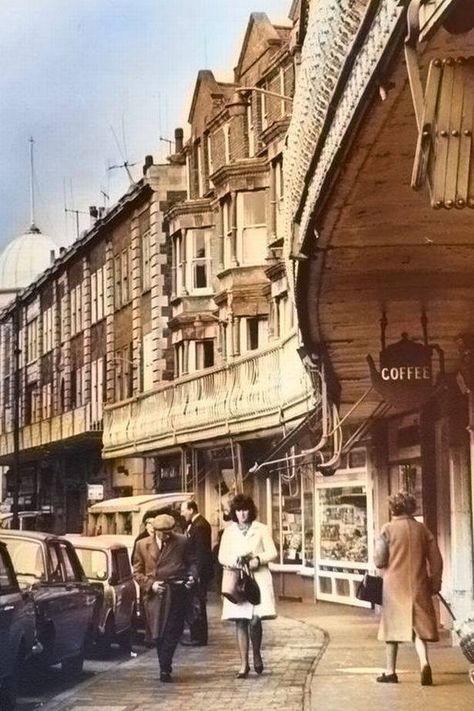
x=254, y=392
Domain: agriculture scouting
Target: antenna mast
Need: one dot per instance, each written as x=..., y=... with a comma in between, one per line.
x=33, y=227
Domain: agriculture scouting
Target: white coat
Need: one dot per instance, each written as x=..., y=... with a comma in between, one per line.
x=256, y=542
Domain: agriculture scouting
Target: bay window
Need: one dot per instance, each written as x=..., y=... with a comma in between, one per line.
x=251, y=226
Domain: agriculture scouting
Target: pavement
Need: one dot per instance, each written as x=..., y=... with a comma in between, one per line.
x=317, y=656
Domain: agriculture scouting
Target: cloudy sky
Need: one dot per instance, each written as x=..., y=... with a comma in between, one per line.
x=95, y=82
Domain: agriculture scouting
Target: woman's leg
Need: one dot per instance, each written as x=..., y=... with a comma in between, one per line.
x=242, y=629
x=256, y=631
x=391, y=651
x=422, y=650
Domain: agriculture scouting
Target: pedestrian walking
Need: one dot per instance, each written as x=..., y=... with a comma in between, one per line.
x=165, y=567
x=198, y=532
x=246, y=541
x=412, y=567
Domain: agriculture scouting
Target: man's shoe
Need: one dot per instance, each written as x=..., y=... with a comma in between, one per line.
x=388, y=679
x=166, y=677
x=193, y=643
x=426, y=677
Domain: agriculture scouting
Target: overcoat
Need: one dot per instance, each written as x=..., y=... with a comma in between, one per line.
x=175, y=561
x=199, y=535
x=412, y=573
x=256, y=542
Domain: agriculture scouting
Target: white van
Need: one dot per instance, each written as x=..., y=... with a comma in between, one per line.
x=125, y=514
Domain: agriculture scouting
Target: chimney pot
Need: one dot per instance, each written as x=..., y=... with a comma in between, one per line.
x=51, y=255
x=148, y=162
x=178, y=140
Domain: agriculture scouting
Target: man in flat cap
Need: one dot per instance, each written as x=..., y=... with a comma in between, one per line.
x=165, y=567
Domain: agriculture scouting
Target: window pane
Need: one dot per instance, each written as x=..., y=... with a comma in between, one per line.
x=254, y=208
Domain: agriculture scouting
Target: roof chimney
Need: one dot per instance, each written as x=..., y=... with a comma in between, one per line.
x=178, y=140
x=51, y=255
x=147, y=164
x=62, y=250
x=94, y=214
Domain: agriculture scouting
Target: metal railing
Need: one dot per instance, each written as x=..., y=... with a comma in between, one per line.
x=255, y=391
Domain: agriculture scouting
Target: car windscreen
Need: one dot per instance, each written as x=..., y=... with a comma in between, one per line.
x=28, y=561
x=94, y=562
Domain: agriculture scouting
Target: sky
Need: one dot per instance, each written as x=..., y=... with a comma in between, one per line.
x=97, y=82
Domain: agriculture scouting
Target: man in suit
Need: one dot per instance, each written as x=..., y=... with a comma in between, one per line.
x=198, y=531
x=165, y=568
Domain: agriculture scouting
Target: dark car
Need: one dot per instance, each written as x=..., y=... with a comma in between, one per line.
x=65, y=602
x=106, y=563
x=17, y=629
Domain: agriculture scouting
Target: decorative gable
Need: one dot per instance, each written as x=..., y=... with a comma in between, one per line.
x=259, y=37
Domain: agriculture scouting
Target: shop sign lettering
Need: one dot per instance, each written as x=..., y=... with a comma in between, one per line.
x=408, y=374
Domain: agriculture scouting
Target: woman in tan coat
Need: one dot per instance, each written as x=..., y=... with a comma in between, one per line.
x=409, y=555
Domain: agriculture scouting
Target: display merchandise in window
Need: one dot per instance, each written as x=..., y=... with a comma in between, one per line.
x=343, y=524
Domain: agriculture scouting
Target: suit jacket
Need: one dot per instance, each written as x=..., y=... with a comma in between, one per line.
x=199, y=535
x=175, y=560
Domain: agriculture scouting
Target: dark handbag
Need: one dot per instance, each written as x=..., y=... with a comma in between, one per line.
x=370, y=589
x=248, y=587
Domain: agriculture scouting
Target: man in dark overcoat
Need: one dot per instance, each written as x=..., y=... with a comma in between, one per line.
x=198, y=531
x=165, y=567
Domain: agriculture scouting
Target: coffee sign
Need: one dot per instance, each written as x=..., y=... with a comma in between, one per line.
x=405, y=378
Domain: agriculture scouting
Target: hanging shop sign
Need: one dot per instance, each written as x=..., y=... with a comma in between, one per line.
x=409, y=372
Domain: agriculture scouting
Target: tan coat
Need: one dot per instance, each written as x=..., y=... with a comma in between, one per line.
x=412, y=575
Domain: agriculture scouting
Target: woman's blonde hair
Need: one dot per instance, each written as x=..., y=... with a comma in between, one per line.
x=402, y=503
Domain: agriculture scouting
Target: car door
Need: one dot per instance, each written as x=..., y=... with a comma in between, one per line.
x=81, y=598
x=125, y=588
x=9, y=602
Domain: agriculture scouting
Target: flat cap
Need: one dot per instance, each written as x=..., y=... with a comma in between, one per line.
x=163, y=522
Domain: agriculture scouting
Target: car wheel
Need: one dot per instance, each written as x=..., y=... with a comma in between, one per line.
x=72, y=666
x=104, y=642
x=8, y=693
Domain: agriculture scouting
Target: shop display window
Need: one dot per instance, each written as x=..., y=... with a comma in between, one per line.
x=292, y=517
x=343, y=524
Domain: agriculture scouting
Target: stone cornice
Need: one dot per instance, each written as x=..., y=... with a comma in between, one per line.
x=188, y=207
x=247, y=167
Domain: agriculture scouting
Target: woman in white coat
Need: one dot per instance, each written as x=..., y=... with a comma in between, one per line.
x=246, y=540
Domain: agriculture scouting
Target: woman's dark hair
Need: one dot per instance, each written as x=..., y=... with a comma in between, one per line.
x=243, y=503
x=402, y=503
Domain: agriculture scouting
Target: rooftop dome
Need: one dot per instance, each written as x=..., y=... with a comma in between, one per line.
x=24, y=258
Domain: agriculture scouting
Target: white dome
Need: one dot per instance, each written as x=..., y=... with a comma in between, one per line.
x=24, y=258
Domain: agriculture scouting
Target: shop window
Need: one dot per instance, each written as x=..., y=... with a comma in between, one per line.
x=292, y=517
x=343, y=524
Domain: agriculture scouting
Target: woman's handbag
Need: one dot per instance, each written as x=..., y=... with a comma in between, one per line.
x=370, y=589
x=248, y=587
x=231, y=585
x=239, y=585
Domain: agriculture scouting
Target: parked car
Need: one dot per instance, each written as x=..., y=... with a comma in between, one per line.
x=28, y=520
x=106, y=563
x=17, y=629
x=65, y=602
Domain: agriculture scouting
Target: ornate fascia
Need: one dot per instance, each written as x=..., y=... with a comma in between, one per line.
x=197, y=211
x=275, y=271
x=275, y=131
x=344, y=47
x=188, y=318
x=236, y=176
